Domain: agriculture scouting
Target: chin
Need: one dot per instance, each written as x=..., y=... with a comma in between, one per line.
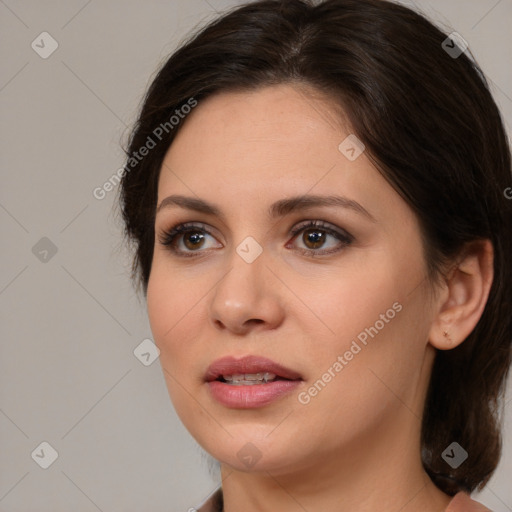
x=252, y=451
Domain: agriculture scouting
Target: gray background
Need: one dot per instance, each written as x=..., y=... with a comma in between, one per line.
x=71, y=320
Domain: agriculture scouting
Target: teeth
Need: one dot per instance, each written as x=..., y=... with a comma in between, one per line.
x=249, y=378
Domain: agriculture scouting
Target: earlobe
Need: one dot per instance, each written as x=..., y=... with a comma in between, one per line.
x=463, y=300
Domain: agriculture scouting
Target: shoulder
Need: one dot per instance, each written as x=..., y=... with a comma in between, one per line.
x=462, y=502
x=213, y=504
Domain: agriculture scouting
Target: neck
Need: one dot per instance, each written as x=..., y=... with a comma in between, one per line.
x=380, y=471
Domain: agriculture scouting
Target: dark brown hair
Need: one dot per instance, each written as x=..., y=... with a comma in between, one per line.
x=430, y=125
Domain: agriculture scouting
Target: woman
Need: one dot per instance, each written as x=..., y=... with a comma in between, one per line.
x=317, y=199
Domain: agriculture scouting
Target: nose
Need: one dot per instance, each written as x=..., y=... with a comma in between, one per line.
x=247, y=297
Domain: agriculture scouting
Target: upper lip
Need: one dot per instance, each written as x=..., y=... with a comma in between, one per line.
x=248, y=364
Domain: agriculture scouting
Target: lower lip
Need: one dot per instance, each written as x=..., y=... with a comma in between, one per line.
x=251, y=396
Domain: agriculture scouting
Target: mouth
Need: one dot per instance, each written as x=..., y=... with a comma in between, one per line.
x=249, y=371
x=250, y=382
x=249, y=379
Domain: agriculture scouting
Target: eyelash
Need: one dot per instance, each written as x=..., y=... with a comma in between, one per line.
x=168, y=238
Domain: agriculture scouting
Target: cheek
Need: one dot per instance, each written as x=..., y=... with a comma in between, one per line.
x=376, y=321
x=159, y=304
x=177, y=312
x=356, y=387
x=171, y=311
x=376, y=358
x=349, y=302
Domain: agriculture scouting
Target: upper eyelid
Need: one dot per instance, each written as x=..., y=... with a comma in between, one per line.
x=321, y=224
x=184, y=227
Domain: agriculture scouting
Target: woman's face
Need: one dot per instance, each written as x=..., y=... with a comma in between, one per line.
x=343, y=305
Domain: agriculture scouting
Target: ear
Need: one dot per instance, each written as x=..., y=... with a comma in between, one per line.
x=461, y=302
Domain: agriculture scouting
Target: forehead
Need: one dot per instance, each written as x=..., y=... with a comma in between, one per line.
x=273, y=133
x=244, y=151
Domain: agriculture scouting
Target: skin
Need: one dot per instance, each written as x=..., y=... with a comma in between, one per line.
x=356, y=444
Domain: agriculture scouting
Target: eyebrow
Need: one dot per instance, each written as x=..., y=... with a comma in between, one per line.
x=278, y=209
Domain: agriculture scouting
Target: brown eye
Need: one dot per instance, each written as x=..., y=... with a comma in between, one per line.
x=313, y=238
x=190, y=240
x=315, y=235
x=193, y=239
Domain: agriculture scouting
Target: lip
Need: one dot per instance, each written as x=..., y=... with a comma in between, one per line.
x=248, y=364
x=251, y=396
